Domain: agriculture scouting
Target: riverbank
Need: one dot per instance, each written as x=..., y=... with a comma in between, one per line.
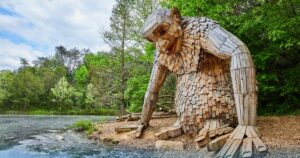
x=49, y=136
x=100, y=112
x=280, y=133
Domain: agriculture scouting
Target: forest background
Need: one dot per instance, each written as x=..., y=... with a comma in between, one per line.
x=76, y=81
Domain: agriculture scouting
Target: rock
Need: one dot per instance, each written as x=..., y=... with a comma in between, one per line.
x=169, y=145
x=59, y=137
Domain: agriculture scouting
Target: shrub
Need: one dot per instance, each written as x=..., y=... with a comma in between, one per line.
x=83, y=125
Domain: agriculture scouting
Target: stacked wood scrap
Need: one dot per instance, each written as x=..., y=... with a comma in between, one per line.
x=246, y=138
x=170, y=132
x=204, y=88
x=212, y=129
x=206, y=94
x=137, y=116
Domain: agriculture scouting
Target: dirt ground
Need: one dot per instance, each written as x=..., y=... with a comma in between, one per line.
x=279, y=133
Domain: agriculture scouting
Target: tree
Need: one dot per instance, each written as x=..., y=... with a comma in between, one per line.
x=89, y=97
x=49, y=71
x=6, y=81
x=62, y=93
x=104, y=77
x=140, y=11
x=24, y=62
x=139, y=78
x=26, y=89
x=119, y=39
x=81, y=77
x=71, y=59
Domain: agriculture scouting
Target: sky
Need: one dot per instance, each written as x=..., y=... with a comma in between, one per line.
x=33, y=28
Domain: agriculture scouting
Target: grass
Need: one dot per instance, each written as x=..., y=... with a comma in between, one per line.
x=83, y=125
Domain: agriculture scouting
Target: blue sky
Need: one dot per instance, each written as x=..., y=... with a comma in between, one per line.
x=32, y=28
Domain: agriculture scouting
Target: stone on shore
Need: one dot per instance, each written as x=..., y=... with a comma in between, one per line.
x=169, y=145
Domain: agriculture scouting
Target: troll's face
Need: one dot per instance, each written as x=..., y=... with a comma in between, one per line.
x=163, y=27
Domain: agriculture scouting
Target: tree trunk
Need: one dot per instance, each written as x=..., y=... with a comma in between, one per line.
x=123, y=82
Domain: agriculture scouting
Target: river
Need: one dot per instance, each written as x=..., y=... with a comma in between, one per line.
x=48, y=136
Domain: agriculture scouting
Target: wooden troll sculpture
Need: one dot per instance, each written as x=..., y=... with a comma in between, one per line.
x=215, y=82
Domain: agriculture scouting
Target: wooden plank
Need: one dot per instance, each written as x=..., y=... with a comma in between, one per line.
x=213, y=124
x=238, y=111
x=125, y=128
x=253, y=108
x=248, y=132
x=246, y=109
x=240, y=134
x=174, y=132
x=252, y=131
x=228, y=130
x=207, y=124
x=256, y=130
x=259, y=145
x=162, y=135
x=216, y=129
x=235, y=131
x=139, y=130
x=225, y=148
x=241, y=105
x=217, y=143
x=201, y=136
x=247, y=147
x=233, y=150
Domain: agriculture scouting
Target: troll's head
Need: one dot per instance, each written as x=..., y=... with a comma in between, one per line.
x=163, y=27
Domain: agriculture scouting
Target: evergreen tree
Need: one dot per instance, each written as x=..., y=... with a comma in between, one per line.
x=119, y=40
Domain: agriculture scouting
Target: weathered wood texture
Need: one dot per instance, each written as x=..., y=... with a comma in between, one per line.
x=215, y=76
x=204, y=89
x=158, y=76
x=237, y=140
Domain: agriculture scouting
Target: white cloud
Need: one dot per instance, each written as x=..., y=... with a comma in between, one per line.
x=11, y=53
x=49, y=23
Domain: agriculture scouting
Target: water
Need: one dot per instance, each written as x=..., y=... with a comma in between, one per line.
x=48, y=136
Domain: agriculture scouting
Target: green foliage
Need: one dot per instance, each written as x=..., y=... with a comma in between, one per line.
x=271, y=31
x=83, y=125
x=6, y=81
x=81, y=76
x=62, y=93
x=40, y=112
x=140, y=75
x=26, y=89
x=104, y=76
x=90, y=98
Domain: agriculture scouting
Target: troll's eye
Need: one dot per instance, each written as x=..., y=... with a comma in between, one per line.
x=162, y=32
